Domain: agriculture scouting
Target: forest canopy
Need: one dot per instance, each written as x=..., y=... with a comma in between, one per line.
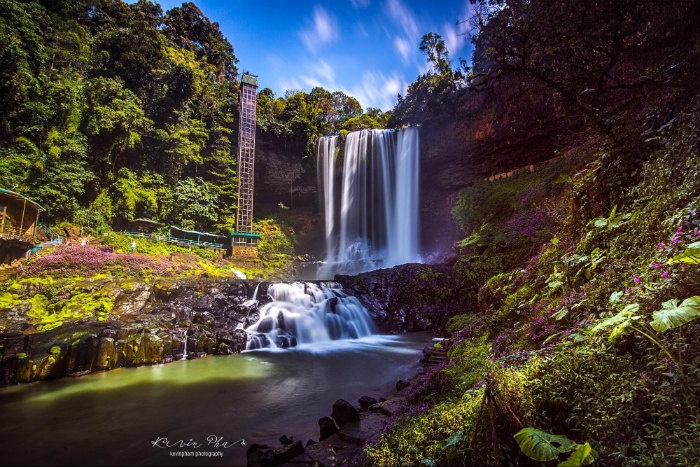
x=116, y=111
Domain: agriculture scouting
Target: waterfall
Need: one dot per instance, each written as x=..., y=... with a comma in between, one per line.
x=184, y=350
x=305, y=313
x=372, y=220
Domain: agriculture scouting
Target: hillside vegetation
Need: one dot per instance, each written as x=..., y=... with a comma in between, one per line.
x=583, y=342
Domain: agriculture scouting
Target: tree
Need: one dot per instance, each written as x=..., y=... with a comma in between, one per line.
x=598, y=58
x=189, y=28
x=433, y=46
x=195, y=204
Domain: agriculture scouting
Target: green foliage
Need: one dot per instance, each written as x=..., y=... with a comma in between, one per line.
x=542, y=446
x=673, y=315
x=613, y=221
x=690, y=255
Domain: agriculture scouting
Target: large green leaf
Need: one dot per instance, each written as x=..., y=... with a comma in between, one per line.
x=691, y=255
x=621, y=318
x=583, y=455
x=672, y=315
x=542, y=446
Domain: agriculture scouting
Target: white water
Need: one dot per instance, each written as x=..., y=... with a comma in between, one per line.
x=372, y=221
x=308, y=313
x=184, y=350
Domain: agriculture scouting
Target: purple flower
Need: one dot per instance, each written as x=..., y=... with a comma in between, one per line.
x=664, y=274
x=636, y=279
x=660, y=245
x=656, y=265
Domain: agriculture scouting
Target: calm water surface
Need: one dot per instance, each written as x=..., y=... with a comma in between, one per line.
x=150, y=415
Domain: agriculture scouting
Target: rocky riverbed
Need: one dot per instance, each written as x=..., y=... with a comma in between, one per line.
x=162, y=320
x=345, y=430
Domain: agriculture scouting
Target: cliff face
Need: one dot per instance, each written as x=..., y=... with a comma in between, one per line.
x=172, y=319
x=148, y=324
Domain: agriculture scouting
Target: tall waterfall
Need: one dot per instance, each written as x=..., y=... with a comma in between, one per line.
x=371, y=218
x=307, y=312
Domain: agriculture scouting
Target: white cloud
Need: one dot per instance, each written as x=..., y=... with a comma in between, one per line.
x=406, y=39
x=378, y=90
x=400, y=13
x=324, y=30
x=403, y=48
x=453, y=41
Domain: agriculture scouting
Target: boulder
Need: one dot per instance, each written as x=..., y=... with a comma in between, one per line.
x=327, y=427
x=366, y=401
x=344, y=412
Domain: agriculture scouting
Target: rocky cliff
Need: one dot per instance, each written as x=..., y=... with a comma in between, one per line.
x=164, y=320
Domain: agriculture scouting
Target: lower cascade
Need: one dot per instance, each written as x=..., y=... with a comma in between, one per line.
x=307, y=312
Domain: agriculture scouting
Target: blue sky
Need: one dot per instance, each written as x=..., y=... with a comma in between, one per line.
x=367, y=49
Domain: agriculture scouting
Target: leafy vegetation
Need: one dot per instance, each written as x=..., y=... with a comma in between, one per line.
x=584, y=346
x=116, y=111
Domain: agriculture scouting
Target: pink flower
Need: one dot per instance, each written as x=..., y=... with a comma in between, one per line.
x=660, y=245
x=656, y=265
x=664, y=274
x=636, y=279
x=628, y=291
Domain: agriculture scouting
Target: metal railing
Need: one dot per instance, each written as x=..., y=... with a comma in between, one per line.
x=177, y=240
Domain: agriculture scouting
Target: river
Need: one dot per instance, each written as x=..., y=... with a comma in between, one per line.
x=178, y=413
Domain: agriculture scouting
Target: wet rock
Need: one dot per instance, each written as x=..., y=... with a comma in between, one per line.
x=366, y=401
x=344, y=412
x=327, y=427
x=105, y=354
x=402, y=384
x=262, y=455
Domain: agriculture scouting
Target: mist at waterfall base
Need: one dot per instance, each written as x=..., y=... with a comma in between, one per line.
x=370, y=205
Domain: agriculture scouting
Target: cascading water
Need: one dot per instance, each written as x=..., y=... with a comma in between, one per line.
x=305, y=313
x=372, y=221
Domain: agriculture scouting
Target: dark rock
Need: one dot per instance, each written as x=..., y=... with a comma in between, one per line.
x=344, y=412
x=261, y=455
x=327, y=427
x=366, y=401
x=402, y=384
x=285, y=440
x=265, y=325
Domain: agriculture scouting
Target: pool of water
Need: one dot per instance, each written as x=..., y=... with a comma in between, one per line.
x=183, y=412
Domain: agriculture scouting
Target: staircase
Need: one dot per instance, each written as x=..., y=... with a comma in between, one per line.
x=437, y=356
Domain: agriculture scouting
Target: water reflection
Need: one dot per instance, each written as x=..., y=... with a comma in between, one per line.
x=113, y=418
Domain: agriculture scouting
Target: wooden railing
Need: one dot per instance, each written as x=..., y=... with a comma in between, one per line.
x=8, y=231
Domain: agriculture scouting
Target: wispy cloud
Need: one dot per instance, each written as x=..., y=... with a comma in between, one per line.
x=322, y=30
x=378, y=90
x=404, y=49
x=406, y=40
x=400, y=13
x=359, y=4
